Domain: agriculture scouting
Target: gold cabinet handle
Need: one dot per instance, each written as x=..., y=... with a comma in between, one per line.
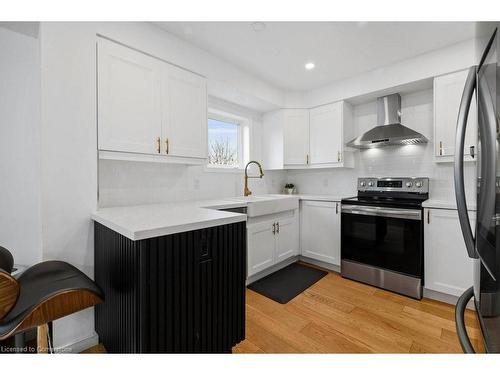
x=307, y=159
x=274, y=228
x=337, y=208
x=428, y=216
x=440, y=148
x=278, y=227
x=167, y=144
x=338, y=156
x=158, y=141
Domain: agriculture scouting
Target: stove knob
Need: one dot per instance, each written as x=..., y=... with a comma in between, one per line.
x=409, y=184
x=362, y=183
x=419, y=184
x=371, y=184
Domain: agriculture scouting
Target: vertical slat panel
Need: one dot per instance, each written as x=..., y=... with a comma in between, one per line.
x=163, y=296
x=162, y=287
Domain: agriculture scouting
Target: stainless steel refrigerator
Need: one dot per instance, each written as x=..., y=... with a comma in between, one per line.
x=483, y=241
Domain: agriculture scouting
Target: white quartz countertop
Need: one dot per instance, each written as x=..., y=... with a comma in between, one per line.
x=154, y=220
x=446, y=204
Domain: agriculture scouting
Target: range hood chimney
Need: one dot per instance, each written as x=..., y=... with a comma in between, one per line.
x=389, y=130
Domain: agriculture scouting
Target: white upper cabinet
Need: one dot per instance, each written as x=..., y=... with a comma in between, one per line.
x=328, y=124
x=448, y=269
x=320, y=231
x=129, y=113
x=296, y=136
x=272, y=140
x=448, y=91
x=147, y=106
x=184, y=99
x=303, y=138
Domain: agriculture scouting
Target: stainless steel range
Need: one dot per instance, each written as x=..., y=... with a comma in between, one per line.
x=382, y=241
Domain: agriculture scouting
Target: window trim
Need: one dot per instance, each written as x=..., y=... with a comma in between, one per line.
x=240, y=122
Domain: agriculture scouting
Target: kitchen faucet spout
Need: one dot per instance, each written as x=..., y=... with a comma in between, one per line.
x=247, y=191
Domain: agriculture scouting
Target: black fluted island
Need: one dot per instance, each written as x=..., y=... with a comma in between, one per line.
x=170, y=290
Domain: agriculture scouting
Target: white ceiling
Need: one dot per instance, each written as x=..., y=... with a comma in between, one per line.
x=278, y=53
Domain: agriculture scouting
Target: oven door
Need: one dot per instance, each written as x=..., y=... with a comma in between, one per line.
x=384, y=237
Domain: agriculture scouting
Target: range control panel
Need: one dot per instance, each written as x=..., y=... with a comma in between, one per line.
x=404, y=184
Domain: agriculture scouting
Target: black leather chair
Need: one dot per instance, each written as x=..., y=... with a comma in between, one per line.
x=43, y=293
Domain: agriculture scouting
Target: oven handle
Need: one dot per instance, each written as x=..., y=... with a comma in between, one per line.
x=398, y=213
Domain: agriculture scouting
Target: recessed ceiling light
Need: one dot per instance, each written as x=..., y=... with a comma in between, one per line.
x=309, y=66
x=258, y=26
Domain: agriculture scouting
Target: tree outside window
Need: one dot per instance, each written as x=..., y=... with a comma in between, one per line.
x=224, y=146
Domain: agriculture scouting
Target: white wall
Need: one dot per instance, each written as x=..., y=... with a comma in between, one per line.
x=393, y=161
x=20, y=222
x=68, y=157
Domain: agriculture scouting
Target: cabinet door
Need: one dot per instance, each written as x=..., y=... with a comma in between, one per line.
x=184, y=102
x=296, y=136
x=261, y=244
x=272, y=140
x=129, y=114
x=287, y=237
x=320, y=231
x=448, y=269
x=326, y=133
x=448, y=91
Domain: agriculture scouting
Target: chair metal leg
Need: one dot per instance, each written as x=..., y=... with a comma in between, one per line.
x=42, y=339
x=20, y=342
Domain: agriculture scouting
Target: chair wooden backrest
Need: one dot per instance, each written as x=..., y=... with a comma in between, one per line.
x=9, y=293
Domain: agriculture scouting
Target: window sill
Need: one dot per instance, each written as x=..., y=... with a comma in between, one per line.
x=223, y=170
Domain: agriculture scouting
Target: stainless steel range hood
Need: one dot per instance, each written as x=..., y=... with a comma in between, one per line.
x=389, y=131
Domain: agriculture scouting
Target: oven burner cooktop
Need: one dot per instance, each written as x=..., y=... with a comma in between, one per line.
x=391, y=191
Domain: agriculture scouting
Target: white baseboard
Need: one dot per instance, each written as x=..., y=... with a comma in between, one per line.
x=319, y=263
x=446, y=298
x=78, y=346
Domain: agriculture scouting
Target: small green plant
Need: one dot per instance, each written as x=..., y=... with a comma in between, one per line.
x=289, y=186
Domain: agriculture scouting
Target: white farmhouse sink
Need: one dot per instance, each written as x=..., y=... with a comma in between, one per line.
x=258, y=205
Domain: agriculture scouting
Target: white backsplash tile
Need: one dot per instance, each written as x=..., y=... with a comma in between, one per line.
x=123, y=183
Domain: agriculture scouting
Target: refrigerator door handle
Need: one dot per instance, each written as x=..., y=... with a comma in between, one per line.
x=463, y=337
x=487, y=187
x=463, y=214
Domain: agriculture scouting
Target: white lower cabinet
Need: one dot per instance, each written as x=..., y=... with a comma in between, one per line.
x=448, y=269
x=287, y=238
x=271, y=239
x=320, y=231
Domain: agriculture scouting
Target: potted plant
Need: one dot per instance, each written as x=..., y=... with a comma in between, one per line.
x=289, y=188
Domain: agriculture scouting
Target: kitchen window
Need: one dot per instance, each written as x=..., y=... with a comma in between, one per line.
x=227, y=141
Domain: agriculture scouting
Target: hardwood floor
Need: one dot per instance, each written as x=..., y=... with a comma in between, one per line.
x=337, y=315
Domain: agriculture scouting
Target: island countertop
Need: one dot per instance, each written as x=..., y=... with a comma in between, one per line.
x=154, y=220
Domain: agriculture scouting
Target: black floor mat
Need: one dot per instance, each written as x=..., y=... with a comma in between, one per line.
x=287, y=283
